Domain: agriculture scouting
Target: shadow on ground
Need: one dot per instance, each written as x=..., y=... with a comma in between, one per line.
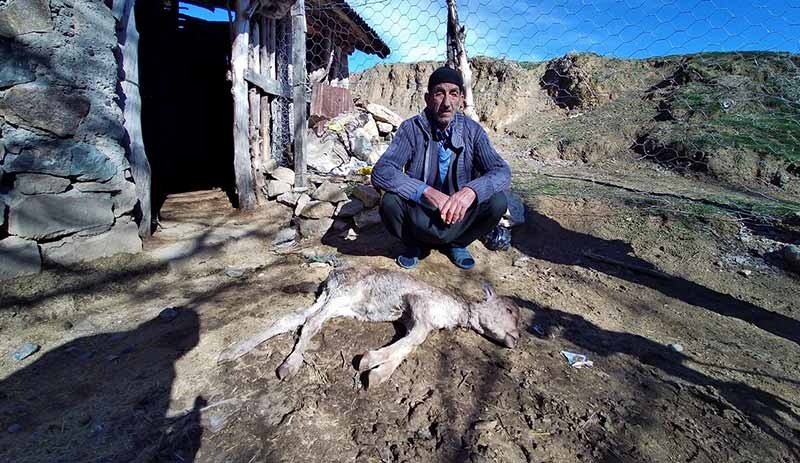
x=104, y=398
x=543, y=238
x=765, y=410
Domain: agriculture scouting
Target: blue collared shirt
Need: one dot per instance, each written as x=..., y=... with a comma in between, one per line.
x=445, y=155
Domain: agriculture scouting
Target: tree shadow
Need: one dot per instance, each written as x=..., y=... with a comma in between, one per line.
x=766, y=410
x=104, y=397
x=543, y=238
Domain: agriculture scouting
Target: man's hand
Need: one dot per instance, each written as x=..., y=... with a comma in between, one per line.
x=456, y=207
x=435, y=197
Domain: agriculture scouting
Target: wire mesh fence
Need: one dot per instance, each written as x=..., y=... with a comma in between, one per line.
x=694, y=85
x=690, y=84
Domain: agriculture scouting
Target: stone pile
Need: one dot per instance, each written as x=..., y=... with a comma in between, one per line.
x=66, y=192
x=343, y=205
x=350, y=141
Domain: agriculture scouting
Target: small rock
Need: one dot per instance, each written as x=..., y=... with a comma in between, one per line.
x=746, y=273
x=384, y=114
x=14, y=428
x=26, y=351
x=283, y=174
x=485, y=425
x=367, y=195
x=367, y=219
x=351, y=235
x=68, y=325
x=676, y=347
x=269, y=166
x=350, y=208
x=277, y=188
x=284, y=236
x=791, y=254
x=318, y=210
x=314, y=228
x=302, y=202
x=384, y=128
x=289, y=198
x=521, y=261
x=168, y=314
x=330, y=192
x=233, y=272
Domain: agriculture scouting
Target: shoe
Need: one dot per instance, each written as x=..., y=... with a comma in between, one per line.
x=461, y=257
x=409, y=258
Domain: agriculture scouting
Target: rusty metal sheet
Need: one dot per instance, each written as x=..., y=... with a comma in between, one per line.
x=328, y=102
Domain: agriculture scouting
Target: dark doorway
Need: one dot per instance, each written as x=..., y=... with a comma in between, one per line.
x=187, y=109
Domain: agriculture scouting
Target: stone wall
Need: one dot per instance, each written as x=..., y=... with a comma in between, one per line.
x=66, y=193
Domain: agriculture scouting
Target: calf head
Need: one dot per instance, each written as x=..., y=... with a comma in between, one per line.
x=496, y=317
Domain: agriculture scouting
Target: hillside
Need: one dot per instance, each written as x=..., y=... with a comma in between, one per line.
x=733, y=117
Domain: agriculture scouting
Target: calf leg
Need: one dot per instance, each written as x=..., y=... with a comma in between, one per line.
x=386, y=360
x=334, y=308
x=284, y=325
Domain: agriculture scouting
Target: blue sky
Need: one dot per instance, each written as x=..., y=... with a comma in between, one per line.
x=536, y=30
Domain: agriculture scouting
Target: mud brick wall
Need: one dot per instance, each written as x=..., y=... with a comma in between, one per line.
x=66, y=193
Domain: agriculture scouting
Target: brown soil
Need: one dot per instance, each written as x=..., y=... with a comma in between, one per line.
x=114, y=382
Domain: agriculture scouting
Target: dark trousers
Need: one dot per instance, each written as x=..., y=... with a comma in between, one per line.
x=422, y=226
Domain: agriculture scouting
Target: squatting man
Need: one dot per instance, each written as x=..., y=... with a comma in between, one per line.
x=443, y=180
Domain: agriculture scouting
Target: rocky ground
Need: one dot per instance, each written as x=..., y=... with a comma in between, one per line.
x=681, y=289
x=694, y=362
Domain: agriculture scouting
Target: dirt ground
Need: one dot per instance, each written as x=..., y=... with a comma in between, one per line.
x=699, y=364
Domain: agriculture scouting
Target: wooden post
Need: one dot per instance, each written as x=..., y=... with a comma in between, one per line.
x=241, y=114
x=457, y=56
x=132, y=112
x=299, y=93
x=267, y=70
x=254, y=100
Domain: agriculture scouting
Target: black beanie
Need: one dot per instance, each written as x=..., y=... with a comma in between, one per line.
x=445, y=74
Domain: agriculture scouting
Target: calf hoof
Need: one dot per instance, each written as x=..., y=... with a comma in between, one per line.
x=288, y=369
x=378, y=376
x=368, y=361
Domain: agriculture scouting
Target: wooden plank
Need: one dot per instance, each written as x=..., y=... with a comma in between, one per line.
x=267, y=85
x=132, y=113
x=270, y=50
x=299, y=91
x=241, y=141
x=254, y=101
x=267, y=60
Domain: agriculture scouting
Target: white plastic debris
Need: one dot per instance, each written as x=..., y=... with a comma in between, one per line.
x=577, y=360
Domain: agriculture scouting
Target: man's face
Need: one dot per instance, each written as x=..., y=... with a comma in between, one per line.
x=443, y=100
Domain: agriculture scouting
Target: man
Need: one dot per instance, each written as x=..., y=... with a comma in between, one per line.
x=442, y=178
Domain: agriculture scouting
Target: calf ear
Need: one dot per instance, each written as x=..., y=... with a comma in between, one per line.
x=488, y=290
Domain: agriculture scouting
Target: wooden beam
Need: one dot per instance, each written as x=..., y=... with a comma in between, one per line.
x=241, y=144
x=254, y=101
x=267, y=63
x=267, y=85
x=299, y=91
x=457, y=56
x=132, y=112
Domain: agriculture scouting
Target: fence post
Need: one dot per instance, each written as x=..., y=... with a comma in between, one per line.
x=299, y=91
